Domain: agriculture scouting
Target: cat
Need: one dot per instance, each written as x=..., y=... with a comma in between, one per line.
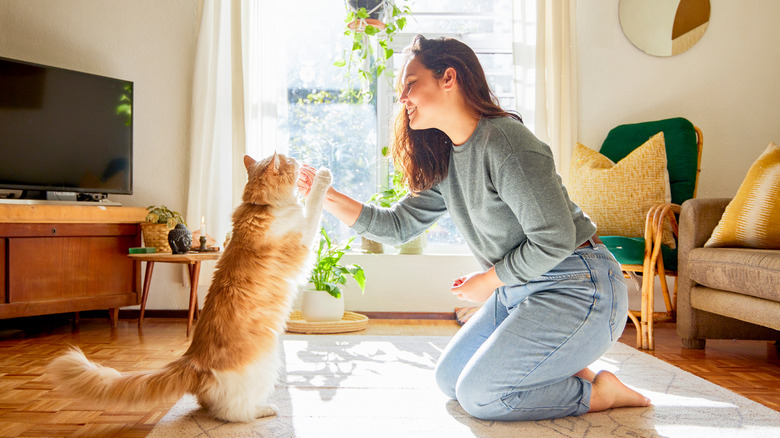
x=232, y=363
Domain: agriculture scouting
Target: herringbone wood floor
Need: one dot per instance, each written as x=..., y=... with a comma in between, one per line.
x=31, y=407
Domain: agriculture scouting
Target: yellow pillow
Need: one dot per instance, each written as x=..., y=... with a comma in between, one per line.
x=752, y=218
x=618, y=196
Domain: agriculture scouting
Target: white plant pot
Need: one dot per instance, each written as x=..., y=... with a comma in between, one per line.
x=320, y=306
x=371, y=246
x=414, y=246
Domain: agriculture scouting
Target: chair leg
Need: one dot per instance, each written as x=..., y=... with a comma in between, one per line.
x=668, y=301
x=638, y=329
x=648, y=304
x=693, y=343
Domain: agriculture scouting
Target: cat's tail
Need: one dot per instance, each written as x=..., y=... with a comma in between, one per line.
x=78, y=375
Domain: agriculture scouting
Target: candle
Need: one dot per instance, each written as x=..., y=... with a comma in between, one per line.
x=203, y=226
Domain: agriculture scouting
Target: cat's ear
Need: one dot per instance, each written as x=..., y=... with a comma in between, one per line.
x=276, y=162
x=248, y=162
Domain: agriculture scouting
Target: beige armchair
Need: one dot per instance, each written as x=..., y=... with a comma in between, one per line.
x=724, y=293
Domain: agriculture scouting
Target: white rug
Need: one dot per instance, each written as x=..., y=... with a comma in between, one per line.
x=383, y=386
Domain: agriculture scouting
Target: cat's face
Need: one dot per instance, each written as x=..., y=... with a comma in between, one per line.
x=270, y=179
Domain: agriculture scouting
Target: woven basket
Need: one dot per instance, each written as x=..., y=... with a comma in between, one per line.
x=156, y=235
x=351, y=322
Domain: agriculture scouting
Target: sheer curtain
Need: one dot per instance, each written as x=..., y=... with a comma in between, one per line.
x=234, y=106
x=554, y=85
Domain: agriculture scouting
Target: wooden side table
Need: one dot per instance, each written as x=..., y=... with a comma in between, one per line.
x=192, y=259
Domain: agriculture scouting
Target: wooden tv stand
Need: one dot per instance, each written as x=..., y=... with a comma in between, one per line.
x=60, y=258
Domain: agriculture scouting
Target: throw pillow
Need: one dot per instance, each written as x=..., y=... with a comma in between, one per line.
x=751, y=218
x=617, y=196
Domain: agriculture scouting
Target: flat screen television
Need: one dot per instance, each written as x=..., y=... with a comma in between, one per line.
x=64, y=132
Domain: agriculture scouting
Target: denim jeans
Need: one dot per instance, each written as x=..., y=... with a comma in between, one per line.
x=516, y=357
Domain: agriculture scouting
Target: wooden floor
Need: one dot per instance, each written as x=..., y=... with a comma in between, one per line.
x=31, y=407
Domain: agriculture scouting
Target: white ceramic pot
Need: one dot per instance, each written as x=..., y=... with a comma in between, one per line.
x=371, y=246
x=414, y=246
x=320, y=306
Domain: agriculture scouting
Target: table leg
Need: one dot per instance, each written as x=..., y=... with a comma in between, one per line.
x=145, y=294
x=194, y=273
x=197, y=307
x=114, y=314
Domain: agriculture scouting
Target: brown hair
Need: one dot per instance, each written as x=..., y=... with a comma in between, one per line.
x=424, y=155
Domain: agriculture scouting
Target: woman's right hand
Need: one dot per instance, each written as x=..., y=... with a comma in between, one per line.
x=340, y=205
x=305, y=179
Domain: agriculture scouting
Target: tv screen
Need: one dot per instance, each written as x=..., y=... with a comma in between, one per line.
x=63, y=130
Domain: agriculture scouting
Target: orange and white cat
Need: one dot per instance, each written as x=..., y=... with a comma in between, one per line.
x=232, y=362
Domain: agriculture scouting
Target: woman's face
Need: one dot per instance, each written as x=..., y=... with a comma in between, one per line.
x=422, y=96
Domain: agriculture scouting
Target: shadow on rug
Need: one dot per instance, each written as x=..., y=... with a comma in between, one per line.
x=383, y=386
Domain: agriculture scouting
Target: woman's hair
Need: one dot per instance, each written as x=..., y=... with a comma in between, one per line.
x=424, y=155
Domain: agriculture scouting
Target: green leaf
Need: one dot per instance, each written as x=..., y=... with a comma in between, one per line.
x=340, y=63
x=371, y=30
x=360, y=276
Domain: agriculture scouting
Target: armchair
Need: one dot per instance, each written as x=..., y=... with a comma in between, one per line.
x=650, y=250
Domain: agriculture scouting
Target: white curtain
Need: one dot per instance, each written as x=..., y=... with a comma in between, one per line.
x=555, y=84
x=233, y=111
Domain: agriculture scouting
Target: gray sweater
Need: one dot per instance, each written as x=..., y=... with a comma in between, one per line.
x=504, y=196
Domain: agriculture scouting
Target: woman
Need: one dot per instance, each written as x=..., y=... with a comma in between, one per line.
x=554, y=297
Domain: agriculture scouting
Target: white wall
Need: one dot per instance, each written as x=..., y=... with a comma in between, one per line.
x=727, y=84
x=406, y=283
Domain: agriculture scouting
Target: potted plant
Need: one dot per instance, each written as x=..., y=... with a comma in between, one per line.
x=322, y=300
x=371, y=26
x=159, y=221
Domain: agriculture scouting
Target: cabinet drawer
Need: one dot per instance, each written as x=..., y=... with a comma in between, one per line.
x=67, y=230
x=51, y=268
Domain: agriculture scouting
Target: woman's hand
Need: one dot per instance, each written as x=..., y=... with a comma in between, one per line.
x=305, y=179
x=477, y=286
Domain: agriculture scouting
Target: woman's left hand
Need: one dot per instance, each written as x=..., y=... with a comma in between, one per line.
x=477, y=286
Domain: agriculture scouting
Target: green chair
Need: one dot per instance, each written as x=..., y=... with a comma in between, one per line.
x=648, y=256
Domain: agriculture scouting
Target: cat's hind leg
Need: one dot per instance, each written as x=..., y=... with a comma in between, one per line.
x=242, y=396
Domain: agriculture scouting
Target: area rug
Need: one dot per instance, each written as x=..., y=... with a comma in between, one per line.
x=383, y=386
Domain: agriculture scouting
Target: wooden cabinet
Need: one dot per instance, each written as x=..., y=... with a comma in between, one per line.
x=56, y=259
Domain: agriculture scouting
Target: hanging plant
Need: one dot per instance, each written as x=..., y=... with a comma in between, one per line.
x=371, y=26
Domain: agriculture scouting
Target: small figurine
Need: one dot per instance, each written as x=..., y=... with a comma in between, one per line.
x=180, y=239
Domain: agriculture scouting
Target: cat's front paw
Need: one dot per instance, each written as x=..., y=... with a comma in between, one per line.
x=323, y=177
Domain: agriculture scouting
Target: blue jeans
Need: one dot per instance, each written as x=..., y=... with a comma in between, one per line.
x=516, y=357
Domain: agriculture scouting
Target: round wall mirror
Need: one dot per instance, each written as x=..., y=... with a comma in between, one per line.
x=664, y=27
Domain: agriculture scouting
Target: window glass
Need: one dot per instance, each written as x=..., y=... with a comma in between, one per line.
x=325, y=127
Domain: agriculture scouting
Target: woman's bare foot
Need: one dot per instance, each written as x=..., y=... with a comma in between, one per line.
x=609, y=392
x=586, y=374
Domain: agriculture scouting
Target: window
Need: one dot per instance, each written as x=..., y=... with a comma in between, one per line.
x=321, y=126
